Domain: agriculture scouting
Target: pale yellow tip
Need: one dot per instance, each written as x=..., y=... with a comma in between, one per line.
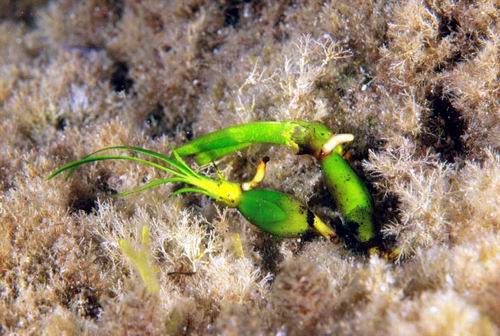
x=258, y=178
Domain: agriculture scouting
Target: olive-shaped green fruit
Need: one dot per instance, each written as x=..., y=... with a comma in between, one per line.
x=277, y=213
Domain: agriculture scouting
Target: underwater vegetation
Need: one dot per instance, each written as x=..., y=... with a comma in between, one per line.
x=415, y=83
x=271, y=211
x=349, y=193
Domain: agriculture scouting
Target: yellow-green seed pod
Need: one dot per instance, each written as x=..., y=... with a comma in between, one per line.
x=275, y=212
x=351, y=196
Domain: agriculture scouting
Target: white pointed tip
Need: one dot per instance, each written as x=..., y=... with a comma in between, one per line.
x=336, y=140
x=246, y=186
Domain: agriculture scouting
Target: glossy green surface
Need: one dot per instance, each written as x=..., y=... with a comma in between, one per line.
x=275, y=212
x=217, y=144
x=351, y=196
x=353, y=200
x=302, y=137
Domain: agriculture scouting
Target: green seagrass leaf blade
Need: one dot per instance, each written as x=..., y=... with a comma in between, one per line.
x=152, y=184
x=77, y=163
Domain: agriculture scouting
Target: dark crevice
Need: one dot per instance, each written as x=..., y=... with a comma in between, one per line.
x=91, y=307
x=120, y=81
x=187, y=129
x=86, y=202
x=158, y=124
x=462, y=51
x=387, y=210
x=166, y=48
x=356, y=156
x=23, y=11
x=84, y=299
x=445, y=128
x=84, y=197
x=155, y=121
x=119, y=7
x=61, y=123
x=232, y=12
x=447, y=26
x=268, y=248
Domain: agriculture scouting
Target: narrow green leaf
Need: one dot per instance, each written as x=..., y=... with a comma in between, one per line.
x=156, y=155
x=77, y=163
x=152, y=184
x=183, y=164
x=190, y=190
